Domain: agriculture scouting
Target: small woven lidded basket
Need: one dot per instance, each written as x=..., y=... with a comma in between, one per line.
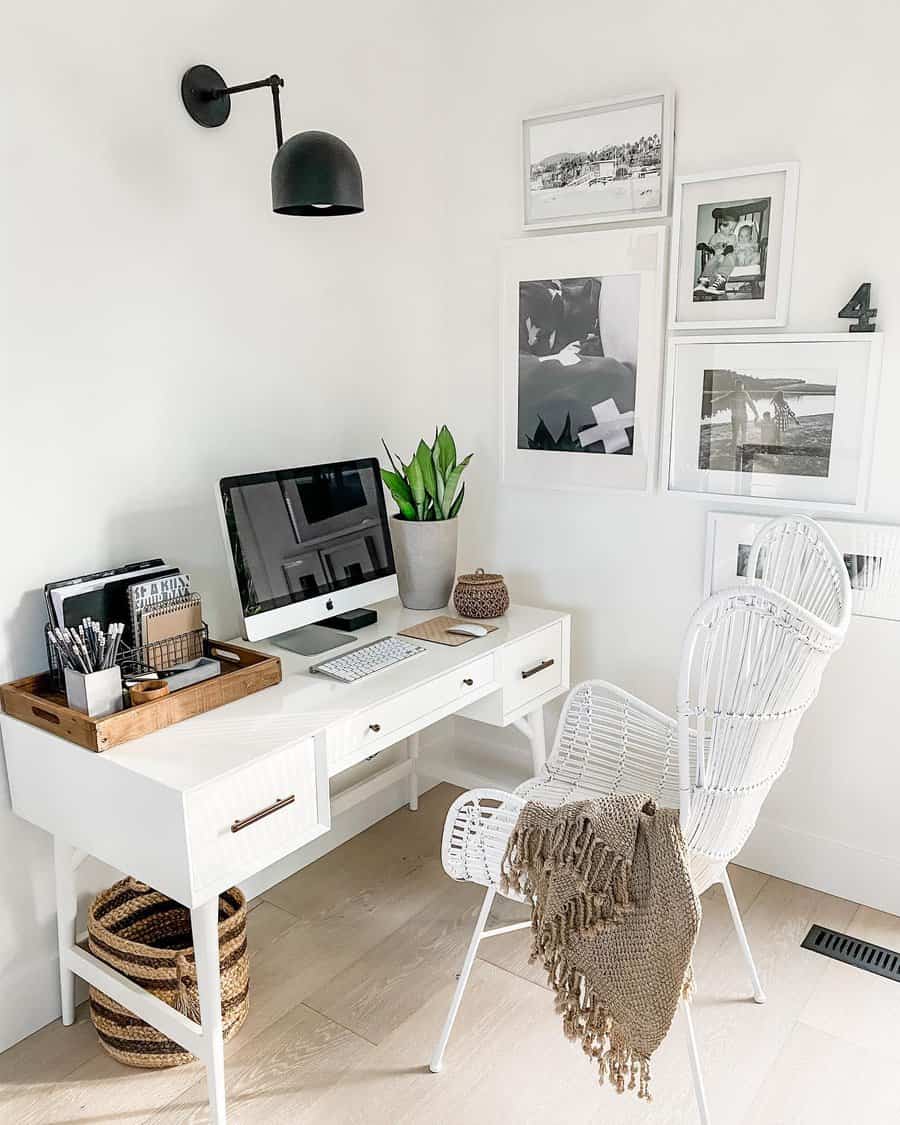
x=481, y=595
x=147, y=937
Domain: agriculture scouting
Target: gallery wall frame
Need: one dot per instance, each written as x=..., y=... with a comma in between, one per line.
x=823, y=454
x=588, y=123
x=757, y=299
x=871, y=554
x=581, y=358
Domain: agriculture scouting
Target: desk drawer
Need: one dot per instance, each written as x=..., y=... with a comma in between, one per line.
x=376, y=728
x=532, y=666
x=255, y=816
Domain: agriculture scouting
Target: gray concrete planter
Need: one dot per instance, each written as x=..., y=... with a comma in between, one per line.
x=425, y=554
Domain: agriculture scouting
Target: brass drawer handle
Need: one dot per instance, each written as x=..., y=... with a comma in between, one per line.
x=468, y=681
x=537, y=668
x=375, y=727
x=280, y=803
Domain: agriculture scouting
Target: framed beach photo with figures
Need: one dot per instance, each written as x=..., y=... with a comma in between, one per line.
x=581, y=339
x=599, y=163
x=786, y=419
x=733, y=248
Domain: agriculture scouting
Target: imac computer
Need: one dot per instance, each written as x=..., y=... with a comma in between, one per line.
x=305, y=543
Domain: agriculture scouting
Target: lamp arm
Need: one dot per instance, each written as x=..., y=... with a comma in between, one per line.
x=275, y=83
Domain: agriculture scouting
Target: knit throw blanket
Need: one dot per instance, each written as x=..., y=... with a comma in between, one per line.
x=613, y=919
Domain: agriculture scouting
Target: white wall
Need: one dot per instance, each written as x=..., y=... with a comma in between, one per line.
x=799, y=80
x=160, y=327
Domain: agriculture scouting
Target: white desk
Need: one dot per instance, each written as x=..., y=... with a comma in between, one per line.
x=162, y=808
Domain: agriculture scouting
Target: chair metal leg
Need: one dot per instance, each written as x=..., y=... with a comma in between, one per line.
x=758, y=994
x=437, y=1058
x=696, y=1072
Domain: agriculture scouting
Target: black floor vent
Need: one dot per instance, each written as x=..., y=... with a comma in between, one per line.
x=853, y=951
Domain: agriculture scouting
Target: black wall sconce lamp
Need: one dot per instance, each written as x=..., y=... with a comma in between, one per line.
x=313, y=173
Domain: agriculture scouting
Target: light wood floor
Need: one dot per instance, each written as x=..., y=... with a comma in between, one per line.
x=353, y=963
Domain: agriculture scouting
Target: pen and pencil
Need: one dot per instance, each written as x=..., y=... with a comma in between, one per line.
x=87, y=648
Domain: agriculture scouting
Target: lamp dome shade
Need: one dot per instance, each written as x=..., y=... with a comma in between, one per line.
x=316, y=174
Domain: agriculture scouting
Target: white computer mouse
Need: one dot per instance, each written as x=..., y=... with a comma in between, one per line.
x=468, y=630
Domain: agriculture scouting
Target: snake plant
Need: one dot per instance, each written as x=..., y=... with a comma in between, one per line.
x=426, y=488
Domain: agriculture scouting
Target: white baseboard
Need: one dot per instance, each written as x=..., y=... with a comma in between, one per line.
x=823, y=864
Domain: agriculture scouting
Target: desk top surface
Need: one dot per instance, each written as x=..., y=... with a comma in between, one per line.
x=197, y=750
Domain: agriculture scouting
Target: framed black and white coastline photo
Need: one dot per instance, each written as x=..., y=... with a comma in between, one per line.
x=871, y=554
x=581, y=340
x=780, y=418
x=600, y=163
x=733, y=248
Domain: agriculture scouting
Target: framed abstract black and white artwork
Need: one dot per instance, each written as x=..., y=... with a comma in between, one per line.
x=581, y=339
x=733, y=248
x=871, y=554
x=599, y=163
x=786, y=419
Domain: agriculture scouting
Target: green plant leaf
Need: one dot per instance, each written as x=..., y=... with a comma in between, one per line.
x=423, y=458
x=390, y=457
x=413, y=473
x=400, y=492
x=453, y=481
x=439, y=484
x=457, y=504
x=445, y=450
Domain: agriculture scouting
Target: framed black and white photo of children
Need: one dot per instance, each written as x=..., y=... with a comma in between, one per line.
x=581, y=337
x=786, y=419
x=733, y=248
x=871, y=554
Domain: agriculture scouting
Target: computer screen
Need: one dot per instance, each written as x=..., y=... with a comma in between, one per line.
x=300, y=533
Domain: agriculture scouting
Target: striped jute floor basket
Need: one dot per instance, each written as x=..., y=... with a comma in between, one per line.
x=147, y=937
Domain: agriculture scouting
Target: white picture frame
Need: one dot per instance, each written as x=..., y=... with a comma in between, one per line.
x=832, y=469
x=871, y=553
x=632, y=261
x=590, y=128
x=769, y=193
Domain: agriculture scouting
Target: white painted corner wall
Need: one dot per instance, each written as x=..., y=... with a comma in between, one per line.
x=785, y=81
x=154, y=313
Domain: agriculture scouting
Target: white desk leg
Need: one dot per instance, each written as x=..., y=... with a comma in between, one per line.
x=412, y=749
x=537, y=740
x=205, y=931
x=66, y=920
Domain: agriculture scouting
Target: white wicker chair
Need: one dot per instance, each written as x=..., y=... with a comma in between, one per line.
x=752, y=663
x=796, y=557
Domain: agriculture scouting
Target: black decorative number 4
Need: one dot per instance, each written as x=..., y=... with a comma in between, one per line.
x=858, y=309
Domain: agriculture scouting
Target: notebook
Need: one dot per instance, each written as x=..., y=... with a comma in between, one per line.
x=163, y=628
x=150, y=592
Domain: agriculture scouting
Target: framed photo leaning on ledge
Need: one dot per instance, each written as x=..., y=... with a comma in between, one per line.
x=581, y=362
x=733, y=248
x=599, y=163
x=871, y=555
x=778, y=419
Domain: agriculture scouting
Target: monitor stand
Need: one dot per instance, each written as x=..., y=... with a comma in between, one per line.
x=312, y=639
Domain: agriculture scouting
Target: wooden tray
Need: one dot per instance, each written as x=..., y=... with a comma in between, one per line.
x=33, y=700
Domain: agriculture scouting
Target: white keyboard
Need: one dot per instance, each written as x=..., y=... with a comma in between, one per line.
x=366, y=659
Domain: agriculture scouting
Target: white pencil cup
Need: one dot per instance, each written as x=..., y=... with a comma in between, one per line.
x=95, y=693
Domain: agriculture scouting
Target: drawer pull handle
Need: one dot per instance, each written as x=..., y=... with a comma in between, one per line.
x=468, y=681
x=375, y=727
x=537, y=668
x=280, y=803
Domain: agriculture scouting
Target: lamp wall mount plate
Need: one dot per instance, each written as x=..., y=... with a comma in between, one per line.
x=203, y=93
